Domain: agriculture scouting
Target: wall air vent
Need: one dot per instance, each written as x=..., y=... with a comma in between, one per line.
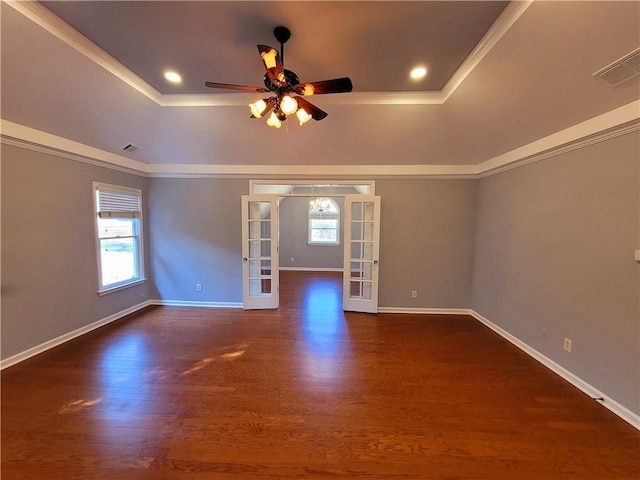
x=621, y=70
x=131, y=148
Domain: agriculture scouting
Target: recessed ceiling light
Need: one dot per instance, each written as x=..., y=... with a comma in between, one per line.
x=418, y=73
x=172, y=77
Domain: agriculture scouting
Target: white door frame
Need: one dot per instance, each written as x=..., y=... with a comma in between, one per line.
x=271, y=299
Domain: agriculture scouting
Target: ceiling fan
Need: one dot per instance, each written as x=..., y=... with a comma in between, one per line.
x=286, y=88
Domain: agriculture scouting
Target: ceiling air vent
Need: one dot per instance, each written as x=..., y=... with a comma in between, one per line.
x=621, y=70
x=131, y=148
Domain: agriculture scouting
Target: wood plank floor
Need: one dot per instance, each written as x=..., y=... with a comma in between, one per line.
x=306, y=391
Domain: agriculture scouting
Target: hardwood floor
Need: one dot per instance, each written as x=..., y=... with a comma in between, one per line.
x=306, y=391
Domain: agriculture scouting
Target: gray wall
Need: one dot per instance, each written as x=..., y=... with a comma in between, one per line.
x=196, y=237
x=49, y=263
x=554, y=249
x=293, y=237
x=426, y=242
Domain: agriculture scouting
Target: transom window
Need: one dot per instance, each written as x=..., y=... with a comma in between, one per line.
x=118, y=236
x=324, y=222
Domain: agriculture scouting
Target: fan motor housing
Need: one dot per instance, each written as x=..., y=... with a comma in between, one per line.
x=290, y=77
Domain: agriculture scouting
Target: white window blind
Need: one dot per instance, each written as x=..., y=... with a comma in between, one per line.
x=117, y=204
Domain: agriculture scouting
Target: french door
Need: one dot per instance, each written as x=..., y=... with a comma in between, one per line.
x=260, y=277
x=361, y=248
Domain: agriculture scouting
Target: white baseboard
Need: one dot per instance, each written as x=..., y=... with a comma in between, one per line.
x=183, y=303
x=311, y=269
x=425, y=311
x=19, y=357
x=608, y=402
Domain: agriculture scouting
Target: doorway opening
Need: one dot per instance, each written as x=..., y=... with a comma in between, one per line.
x=312, y=227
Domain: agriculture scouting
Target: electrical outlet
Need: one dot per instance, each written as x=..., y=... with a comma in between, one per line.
x=414, y=293
x=544, y=333
x=198, y=287
x=567, y=344
x=292, y=259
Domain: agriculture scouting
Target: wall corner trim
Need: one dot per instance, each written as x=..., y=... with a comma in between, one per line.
x=608, y=402
x=33, y=351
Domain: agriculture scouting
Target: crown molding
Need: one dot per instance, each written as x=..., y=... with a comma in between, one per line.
x=617, y=122
x=614, y=123
x=46, y=19
x=312, y=171
x=31, y=139
x=503, y=23
x=353, y=98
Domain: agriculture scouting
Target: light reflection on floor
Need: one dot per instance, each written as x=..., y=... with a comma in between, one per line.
x=124, y=369
x=324, y=332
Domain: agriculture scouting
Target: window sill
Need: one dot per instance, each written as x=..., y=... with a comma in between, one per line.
x=320, y=244
x=123, y=286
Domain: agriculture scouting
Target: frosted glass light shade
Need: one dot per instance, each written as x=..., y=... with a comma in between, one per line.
x=288, y=105
x=274, y=121
x=303, y=116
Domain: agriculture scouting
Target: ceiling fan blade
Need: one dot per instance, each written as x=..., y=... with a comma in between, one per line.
x=311, y=109
x=272, y=63
x=337, y=85
x=229, y=86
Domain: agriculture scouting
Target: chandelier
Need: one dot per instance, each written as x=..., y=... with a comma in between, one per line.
x=320, y=204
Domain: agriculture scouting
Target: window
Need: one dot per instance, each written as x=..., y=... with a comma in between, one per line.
x=118, y=236
x=324, y=222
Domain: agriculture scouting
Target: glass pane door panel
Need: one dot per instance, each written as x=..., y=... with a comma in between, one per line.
x=356, y=211
x=367, y=271
x=254, y=210
x=356, y=231
x=265, y=210
x=367, y=251
x=254, y=249
x=254, y=230
x=368, y=231
x=354, y=289
x=266, y=248
x=355, y=271
x=265, y=267
x=356, y=250
x=366, y=290
x=265, y=229
x=255, y=289
x=254, y=268
x=368, y=211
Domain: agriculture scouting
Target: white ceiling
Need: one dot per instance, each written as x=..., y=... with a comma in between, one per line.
x=528, y=78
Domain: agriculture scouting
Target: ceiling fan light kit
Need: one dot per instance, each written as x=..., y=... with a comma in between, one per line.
x=284, y=84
